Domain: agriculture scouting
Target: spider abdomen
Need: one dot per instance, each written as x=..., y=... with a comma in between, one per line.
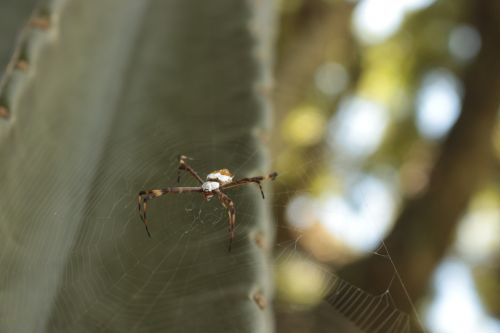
x=222, y=176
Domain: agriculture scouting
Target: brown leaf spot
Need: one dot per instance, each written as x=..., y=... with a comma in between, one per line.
x=260, y=300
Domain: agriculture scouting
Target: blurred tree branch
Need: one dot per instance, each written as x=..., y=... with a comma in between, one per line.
x=321, y=37
x=426, y=225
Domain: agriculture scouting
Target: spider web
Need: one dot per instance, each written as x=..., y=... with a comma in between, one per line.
x=116, y=278
x=138, y=278
x=365, y=312
x=344, y=301
x=144, y=283
x=90, y=267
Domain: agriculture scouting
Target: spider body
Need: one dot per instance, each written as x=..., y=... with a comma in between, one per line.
x=216, y=181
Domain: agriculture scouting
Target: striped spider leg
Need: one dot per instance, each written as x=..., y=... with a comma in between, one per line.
x=228, y=203
x=145, y=196
x=215, y=183
x=256, y=180
x=184, y=166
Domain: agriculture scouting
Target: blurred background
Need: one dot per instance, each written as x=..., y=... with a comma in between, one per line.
x=388, y=131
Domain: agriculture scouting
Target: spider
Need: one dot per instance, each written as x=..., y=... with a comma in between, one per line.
x=215, y=183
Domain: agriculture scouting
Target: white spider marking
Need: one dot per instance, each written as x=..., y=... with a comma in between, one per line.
x=210, y=186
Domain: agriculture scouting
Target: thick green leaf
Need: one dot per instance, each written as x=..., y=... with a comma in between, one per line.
x=114, y=91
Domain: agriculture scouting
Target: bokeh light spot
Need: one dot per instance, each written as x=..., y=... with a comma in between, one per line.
x=304, y=126
x=358, y=220
x=464, y=42
x=438, y=104
x=362, y=217
x=300, y=281
x=457, y=308
x=301, y=211
x=478, y=236
x=358, y=128
x=376, y=20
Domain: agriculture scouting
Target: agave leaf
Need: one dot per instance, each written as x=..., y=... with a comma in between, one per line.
x=111, y=93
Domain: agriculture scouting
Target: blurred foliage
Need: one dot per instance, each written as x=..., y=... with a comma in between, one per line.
x=439, y=38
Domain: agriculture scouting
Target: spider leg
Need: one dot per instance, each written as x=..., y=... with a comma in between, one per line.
x=231, y=212
x=145, y=196
x=256, y=180
x=184, y=166
x=142, y=202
